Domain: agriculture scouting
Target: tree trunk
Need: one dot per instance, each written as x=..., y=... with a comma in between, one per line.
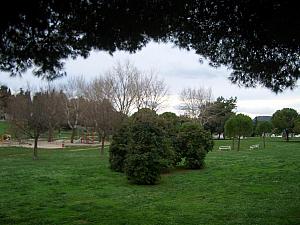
x=35, y=147
x=73, y=135
x=264, y=138
x=219, y=136
x=233, y=143
x=101, y=140
x=102, y=144
x=239, y=143
x=287, y=135
x=50, y=134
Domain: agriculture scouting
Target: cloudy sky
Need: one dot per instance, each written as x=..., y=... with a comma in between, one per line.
x=180, y=69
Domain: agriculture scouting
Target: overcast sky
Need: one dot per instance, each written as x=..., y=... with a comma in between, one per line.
x=179, y=68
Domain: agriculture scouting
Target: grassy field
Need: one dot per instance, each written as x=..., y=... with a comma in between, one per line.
x=75, y=186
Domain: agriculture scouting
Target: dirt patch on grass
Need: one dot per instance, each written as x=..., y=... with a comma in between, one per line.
x=57, y=144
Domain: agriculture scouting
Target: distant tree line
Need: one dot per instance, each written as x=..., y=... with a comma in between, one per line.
x=218, y=117
x=100, y=104
x=285, y=122
x=103, y=103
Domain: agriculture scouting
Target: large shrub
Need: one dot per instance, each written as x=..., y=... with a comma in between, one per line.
x=193, y=143
x=119, y=147
x=171, y=123
x=143, y=162
x=147, y=150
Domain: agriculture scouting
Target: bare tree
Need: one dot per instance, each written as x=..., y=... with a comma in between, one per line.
x=120, y=86
x=151, y=91
x=73, y=90
x=55, y=107
x=99, y=111
x=106, y=119
x=98, y=89
x=29, y=115
x=195, y=100
x=127, y=88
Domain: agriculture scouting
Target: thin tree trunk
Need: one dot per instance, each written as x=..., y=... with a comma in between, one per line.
x=35, y=147
x=50, y=134
x=100, y=141
x=102, y=144
x=264, y=138
x=219, y=136
x=233, y=143
x=239, y=142
x=73, y=135
x=287, y=135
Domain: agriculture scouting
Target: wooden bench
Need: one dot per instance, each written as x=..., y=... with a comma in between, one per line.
x=254, y=146
x=224, y=147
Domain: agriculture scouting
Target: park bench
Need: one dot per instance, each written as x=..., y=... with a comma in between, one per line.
x=254, y=146
x=224, y=147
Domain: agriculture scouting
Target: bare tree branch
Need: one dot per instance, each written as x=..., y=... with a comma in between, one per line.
x=195, y=100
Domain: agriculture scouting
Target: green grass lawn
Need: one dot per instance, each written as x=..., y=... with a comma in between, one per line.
x=76, y=187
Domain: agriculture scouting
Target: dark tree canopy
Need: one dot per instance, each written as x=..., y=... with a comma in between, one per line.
x=284, y=120
x=218, y=113
x=258, y=39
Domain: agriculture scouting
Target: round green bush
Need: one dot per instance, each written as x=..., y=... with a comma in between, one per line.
x=193, y=143
x=147, y=150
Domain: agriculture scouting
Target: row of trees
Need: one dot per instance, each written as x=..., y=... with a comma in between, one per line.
x=100, y=104
x=103, y=102
x=219, y=117
x=284, y=121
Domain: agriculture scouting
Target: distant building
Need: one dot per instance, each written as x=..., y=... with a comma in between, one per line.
x=262, y=119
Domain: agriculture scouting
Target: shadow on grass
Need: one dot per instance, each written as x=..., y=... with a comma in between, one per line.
x=180, y=170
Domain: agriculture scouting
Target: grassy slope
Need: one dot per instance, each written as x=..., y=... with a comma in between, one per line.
x=76, y=187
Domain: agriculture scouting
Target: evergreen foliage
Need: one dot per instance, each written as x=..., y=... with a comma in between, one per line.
x=284, y=120
x=193, y=145
x=147, y=145
x=237, y=126
x=118, y=148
